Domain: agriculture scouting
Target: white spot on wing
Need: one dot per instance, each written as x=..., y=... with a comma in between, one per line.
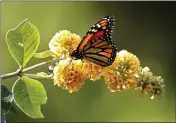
x=98, y=25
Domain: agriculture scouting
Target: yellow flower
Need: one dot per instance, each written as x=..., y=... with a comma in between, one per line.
x=126, y=62
x=69, y=75
x=63, y=44
x=93, y=71
x=124, y=73
x=120, y=75
x=130, y=80
x=114, y=81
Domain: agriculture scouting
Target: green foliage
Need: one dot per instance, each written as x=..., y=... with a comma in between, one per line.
x=23, y=42
x=39, y=75
x=44, y=54
x=6, y=99
x=29, y=94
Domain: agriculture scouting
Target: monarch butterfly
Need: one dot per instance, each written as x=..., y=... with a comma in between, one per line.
x=97, y=45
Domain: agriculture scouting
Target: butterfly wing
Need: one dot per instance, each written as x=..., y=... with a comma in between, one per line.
x=102, y=29
x=100, y=51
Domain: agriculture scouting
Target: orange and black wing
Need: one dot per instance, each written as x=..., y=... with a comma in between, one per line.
x=100, y=51
x=102, y=29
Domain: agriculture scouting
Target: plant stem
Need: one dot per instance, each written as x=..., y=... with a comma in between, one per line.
x=19, y=72
x=36, y=65
x=9, y=75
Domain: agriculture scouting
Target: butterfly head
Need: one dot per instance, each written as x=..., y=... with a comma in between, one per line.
x=77, y=54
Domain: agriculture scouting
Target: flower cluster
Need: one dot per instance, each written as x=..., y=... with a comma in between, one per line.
x=69, y=76
x=120, y=75
x=153, y=85
x=124, y=73
x=63, y=43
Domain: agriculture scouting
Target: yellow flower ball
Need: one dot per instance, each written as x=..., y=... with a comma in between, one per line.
x=114, y=81
x=64, y=43
x=93, y=71
x=126, y=61
x=69, y=75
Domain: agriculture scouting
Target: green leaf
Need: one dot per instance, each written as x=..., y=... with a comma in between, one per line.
x=44, y=54
x=29, y=94
x=6, y=95
x=5, y=107
x=41, y=75
x=6, y=99
x=23, y=42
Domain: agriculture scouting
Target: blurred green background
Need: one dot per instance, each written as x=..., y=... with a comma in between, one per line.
x=143, y=28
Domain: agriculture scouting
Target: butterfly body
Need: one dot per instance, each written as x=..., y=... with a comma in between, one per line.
x=97, y=45
x=77, y=54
